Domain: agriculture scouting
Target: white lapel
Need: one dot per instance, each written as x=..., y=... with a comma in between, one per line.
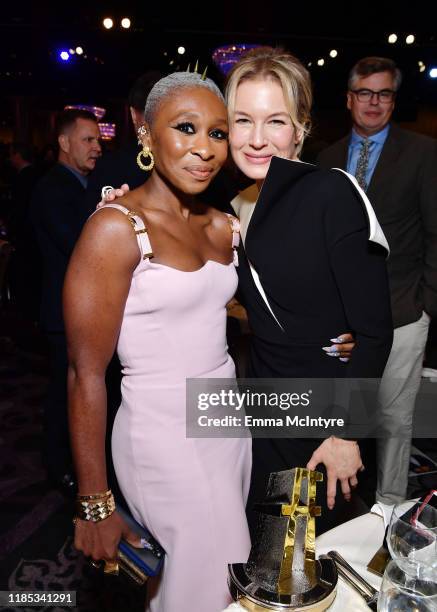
x=244, y=205
x=375, y=231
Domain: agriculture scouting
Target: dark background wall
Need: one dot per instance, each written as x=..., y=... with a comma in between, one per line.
x=34, y=84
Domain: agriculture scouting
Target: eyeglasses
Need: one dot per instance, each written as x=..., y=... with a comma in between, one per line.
x=384, y=95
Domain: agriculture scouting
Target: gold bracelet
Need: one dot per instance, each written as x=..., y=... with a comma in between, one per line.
x=95, y=514
x=97, y=500
x=95, y=511
x=95, y=496
x=88, y=505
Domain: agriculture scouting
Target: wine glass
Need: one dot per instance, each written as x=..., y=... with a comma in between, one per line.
x=410, y=586
x=412, y=533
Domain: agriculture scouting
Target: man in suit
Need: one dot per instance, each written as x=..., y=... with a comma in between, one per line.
x=397, y=168
x=58, y=214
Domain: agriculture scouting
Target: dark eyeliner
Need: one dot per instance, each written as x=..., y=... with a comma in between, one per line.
x=186, y=127
x=219, y=134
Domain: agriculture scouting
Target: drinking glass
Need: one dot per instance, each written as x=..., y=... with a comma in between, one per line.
x=412, y=533
x=408, y=587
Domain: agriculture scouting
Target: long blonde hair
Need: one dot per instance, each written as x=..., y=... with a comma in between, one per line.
x=285, y=69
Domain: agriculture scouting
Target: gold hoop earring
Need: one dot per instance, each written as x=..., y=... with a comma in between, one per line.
x=147, y=153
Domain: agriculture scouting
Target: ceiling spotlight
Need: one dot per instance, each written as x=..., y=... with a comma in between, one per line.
x=71, y=51
x=309, y=64
x=410, y=39
x=333, y=53
x=320, y=62
x=392, y=38
x=422, y=68
x=64, y=55
x=433, y=73
x=108, y=23
x=171, y=62
x=125, y=23
x=181, y=50
x=79, y=50
x=420, y=63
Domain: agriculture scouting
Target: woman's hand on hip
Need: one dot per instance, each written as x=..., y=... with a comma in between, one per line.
x=341, y=347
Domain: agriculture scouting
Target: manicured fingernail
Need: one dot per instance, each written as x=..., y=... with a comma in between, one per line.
x=330, y=349
x=146, y=544
x=337, y=340
x=336, y=354
x=345, y=359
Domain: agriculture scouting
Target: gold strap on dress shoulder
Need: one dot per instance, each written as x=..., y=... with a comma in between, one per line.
x=131, y=216
x=234, y=224
x=131, y=219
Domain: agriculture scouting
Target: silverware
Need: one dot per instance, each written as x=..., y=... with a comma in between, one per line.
x=380, y=559
x=353, y=578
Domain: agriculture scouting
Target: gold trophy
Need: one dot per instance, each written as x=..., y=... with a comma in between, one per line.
x=282, y=572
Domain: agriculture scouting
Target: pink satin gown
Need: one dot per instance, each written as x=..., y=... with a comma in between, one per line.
x=189, y=492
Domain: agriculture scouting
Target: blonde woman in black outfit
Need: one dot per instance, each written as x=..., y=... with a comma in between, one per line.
x=313, y=263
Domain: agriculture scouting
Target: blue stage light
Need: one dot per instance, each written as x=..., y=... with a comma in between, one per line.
x=433, y=73
x=64, y=55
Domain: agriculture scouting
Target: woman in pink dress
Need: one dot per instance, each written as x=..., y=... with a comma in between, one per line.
x=151, y=276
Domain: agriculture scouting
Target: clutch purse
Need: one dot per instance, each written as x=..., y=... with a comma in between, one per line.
x=139, y=563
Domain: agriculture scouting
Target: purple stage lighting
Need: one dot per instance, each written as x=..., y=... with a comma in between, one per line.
x=228, y=55
x=98, y=111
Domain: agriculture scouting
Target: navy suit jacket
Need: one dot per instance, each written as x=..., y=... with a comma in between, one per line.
x=58, y=214
x=403, y=192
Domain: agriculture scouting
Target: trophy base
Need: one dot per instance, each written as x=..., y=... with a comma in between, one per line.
x=255, y=598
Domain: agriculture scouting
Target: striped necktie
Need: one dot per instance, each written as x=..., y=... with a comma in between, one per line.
x=362, y=163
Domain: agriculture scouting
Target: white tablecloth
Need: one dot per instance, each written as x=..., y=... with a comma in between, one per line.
x=357, y=541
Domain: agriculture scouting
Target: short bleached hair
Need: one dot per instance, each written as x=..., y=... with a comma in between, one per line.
x=167, y=86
